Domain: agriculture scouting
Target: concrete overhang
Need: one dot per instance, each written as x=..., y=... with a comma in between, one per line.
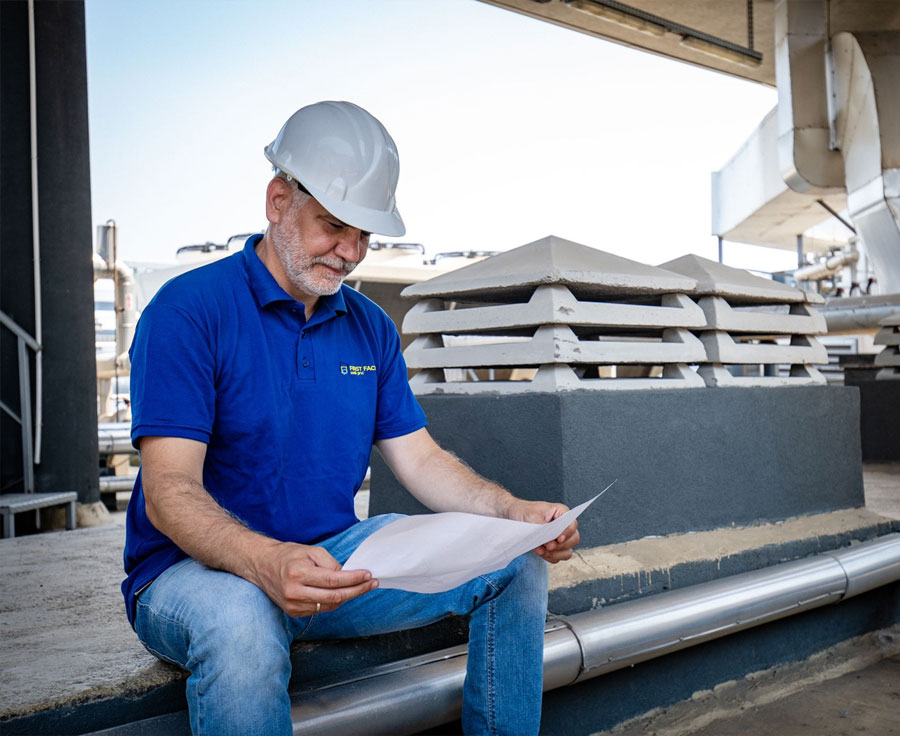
x=726, y=21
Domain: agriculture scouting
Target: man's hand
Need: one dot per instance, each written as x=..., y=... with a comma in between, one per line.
x=540, y=512
x=297, y=577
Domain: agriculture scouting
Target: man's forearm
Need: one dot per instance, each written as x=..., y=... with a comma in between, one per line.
x=442, y=481
x=184, y=511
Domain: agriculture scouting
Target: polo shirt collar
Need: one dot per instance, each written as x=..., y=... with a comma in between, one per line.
x=266, y=289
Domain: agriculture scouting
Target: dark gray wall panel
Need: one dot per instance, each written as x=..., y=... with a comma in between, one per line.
x=684, y=459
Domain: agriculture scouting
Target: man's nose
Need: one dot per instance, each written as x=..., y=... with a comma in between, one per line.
x=348, y=246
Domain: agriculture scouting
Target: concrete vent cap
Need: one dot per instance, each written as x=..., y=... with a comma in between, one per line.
x=716, y=279
x=588, y=272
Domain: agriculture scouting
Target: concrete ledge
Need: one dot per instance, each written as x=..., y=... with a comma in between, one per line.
x=602, y=575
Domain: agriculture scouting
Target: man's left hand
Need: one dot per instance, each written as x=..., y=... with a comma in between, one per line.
x=541, y=512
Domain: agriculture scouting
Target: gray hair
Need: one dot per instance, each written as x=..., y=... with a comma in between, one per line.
x=301, y=196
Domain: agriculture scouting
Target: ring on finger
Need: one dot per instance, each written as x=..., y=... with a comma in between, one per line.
x=318, y=607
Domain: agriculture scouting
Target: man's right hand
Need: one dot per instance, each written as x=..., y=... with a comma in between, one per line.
x=297, y=577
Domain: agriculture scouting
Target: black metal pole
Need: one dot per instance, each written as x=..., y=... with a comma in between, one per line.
x=69, y=421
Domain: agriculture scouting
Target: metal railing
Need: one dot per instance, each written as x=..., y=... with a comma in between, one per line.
x=24, y=342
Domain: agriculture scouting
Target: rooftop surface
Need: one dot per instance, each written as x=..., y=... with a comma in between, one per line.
x=64, y=637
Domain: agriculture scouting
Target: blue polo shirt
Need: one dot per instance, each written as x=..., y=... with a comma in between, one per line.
x=288, y=408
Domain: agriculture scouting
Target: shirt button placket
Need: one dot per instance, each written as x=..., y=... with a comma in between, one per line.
x=304, y=355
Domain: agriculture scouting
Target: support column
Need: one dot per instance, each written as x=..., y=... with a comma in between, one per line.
x=69, y=421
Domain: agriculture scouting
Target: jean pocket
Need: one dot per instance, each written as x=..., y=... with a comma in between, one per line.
x=157, y=632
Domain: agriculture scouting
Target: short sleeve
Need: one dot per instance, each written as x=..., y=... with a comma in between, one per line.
x=172, y=376
x=398, y=412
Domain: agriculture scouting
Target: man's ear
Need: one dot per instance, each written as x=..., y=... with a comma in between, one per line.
x=279, y=199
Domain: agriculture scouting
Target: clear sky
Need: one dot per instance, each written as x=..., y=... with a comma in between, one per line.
x=509, y=128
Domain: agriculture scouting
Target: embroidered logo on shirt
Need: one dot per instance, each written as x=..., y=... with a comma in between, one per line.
x=356, y=370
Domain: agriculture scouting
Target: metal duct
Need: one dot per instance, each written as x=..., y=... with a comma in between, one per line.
x=416, y=694
x=805, y=160
x=865, y=114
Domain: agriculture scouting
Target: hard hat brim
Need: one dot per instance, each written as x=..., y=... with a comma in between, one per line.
x=371, y=221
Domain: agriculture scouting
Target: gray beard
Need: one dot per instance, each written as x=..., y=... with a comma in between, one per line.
x=300, y=268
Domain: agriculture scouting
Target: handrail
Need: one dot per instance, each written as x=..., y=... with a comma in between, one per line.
x=7, y=321
x=23, y=342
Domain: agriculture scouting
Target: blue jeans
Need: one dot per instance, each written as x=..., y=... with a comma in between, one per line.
x=236, y=643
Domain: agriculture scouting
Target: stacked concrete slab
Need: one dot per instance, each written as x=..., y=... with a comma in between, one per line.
x=568, y=312
x=754, y=321
x=888, y=360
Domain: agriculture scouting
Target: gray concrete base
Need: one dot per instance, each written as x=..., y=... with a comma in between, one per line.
x=879, y=412
x=685, y=460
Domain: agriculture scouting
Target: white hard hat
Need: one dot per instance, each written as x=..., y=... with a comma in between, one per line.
x=345, y=159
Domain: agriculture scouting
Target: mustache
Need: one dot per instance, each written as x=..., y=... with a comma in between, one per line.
x=338, y=264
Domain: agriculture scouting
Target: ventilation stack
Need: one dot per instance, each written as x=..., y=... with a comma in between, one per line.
x=752, y=321
x=553, y=315
x=534, y=368
x=888, y=360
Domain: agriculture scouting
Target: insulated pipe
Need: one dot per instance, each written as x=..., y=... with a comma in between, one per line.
x=115, y=483
x=126, y=300
x=827, y=268
x=114, y=438
x=420, y=693
x=857, y=314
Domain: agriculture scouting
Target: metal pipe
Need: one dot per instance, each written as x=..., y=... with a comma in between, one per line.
x=858, y=314
x=35, y=240
x=643, y=629
x=114, y=438
x=420, y=693
x=115, y=483
x=25, y=417
x=827, y=267
x=125, y=296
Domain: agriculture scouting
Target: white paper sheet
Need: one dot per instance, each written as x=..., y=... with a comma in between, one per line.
x=431, y=553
